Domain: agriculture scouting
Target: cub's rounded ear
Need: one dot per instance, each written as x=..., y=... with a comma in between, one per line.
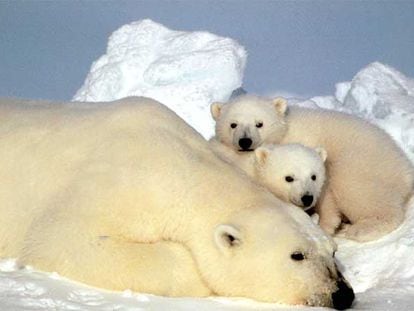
x=215, y=109
x=227, y=237
x=261, y=154
x=322, y=153
x=280, y=105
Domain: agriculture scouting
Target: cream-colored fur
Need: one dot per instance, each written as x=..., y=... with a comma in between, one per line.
x=271, y=165
x=127, y=195
x=369, y=177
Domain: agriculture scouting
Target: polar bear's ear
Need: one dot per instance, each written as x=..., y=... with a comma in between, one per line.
x=261, y=154
x=280, y=104
x=322, y=153
x=227, y=237
x=215, y=110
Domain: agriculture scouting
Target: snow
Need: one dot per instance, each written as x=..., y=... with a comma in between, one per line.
x=187, y=71
x=184, y=70
x=27, y=289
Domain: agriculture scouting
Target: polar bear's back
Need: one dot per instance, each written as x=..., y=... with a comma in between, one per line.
x=47, y=149
x=347, y=136
x=369, y=175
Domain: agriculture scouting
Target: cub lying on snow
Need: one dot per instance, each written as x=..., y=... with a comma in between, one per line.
x=90, y=184
x=369, y=177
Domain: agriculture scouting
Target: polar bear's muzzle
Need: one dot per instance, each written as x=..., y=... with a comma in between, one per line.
x=343, y=297
x=245, y=139
x=245, y=144
x=307, y=200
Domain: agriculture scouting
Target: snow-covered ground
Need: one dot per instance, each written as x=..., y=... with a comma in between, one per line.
x=187, y=71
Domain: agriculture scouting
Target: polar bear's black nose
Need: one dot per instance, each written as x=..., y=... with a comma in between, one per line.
x=307, y=200
x=245, y=143
x=342, y=299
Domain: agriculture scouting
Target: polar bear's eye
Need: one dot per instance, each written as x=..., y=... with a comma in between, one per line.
x=289, y=178
x=233, y=125
x=297, y=256
x=259, y=124
x=313, y=177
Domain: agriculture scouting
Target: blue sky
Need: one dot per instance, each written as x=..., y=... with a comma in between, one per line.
x=300, y=47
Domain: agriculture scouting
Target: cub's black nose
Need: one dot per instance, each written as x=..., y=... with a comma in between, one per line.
x=245, y=143
x=342, y=299
x=307, y=200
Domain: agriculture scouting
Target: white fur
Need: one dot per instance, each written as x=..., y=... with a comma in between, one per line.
x=127, y=195
x=369, y=177
x=270, y=165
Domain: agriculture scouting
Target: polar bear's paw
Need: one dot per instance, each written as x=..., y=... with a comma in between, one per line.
x=365, y=231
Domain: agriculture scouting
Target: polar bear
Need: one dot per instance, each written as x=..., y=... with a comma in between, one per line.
x=127, y=195
x=293, y=172
x=369, y=177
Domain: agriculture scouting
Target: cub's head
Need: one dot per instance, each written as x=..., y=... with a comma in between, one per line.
x=293, y=172
x=248, y=121
x=271, y=256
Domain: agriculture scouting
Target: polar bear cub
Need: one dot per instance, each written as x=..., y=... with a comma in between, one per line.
x=370, y=177
x=293, y=172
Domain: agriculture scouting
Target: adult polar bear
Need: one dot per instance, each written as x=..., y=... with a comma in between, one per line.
x=369, y=177
x=86, y=187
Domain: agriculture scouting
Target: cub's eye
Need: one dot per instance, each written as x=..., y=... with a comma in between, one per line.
x=297, y=256
x=313, y=177
x=289, y=178
x=259, y=124
x=233, y=125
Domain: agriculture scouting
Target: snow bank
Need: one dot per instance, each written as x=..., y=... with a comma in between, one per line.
x=186, y=71
x=27, y=289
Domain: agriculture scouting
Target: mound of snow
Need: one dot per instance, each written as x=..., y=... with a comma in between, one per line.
x=385, y=96
x=186, y=71
x=26, y=289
